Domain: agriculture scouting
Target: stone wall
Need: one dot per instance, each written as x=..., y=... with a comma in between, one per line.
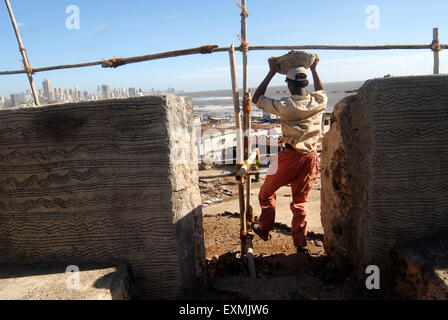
x=384, y=170
x=112, y=180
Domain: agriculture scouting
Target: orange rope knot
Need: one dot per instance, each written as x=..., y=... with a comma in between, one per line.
x=247, y=105
x=115, y=62
x=244, y=13
x=208, y=49
x=435, y=45
x=28, y=69
x=244, y=44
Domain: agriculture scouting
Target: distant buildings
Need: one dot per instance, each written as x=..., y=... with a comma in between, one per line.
x=50, y=95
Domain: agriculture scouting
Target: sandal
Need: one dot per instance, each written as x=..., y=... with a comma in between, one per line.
x=264, y=235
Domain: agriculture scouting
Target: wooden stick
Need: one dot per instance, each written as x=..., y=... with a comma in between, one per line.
x=26, y=62
x=244, y=37
x=226, y=49
x=345, y=47
x=239, y=143
x=236, y=104
x=105, y=64
x=246, y=121
x=436, y=49
x=217, y=176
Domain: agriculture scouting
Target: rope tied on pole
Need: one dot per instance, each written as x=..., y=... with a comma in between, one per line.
x=244, y=44
x=114, y=63
x=208, y=49
x=435, y=46
x=247, y=104
x=244, y=13
x=28, y=69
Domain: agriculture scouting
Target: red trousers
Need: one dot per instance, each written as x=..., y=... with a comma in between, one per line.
x=301, y=171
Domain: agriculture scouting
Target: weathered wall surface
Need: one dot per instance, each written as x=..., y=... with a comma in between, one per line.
x=104, y=181
x=384, y=169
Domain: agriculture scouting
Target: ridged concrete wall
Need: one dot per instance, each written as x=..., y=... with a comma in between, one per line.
x=384, y=169
x=104, y=181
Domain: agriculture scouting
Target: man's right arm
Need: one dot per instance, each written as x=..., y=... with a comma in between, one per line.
x=318, y=85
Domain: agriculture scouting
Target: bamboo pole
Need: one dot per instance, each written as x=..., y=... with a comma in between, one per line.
x=236, y=104
x=217, y=176
x=239, y=143
x=436, y=49
x=26, y=62
x=248, y=214
x=226, y=49
x=123, y=61
x=246, y=110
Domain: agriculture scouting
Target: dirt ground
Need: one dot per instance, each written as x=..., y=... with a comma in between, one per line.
x=282, y=273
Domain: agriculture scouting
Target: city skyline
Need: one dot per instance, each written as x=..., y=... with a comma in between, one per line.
x=53, y=95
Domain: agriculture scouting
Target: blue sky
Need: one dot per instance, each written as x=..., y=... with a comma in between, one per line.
x=122, y=28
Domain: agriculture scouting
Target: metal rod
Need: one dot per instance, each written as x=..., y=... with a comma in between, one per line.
x=436, y=49
x=26, y=62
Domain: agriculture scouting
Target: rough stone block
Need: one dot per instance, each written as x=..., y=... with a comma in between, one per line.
x=384, y=172
x=420, y=268
x=104, y=181
x=52, y=282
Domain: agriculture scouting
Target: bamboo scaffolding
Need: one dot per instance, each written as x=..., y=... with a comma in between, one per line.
x=26, y=62
x=192, y=51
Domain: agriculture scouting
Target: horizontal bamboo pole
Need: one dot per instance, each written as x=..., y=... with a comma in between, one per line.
x=347, y=47
x=123, y=61
x=217, y=176
x=223, y=49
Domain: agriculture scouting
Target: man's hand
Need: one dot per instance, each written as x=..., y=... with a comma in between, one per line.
x=316, y=62
x=317, y=83
x=274, y=66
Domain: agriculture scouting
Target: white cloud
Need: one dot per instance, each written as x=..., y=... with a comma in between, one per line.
x=20, y=24
x=99, y=28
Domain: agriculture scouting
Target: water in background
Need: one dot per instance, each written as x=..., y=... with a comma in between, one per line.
x=220, y=102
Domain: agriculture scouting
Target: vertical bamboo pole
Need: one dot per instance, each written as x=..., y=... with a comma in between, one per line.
x=248, y=214
x=236, y=104
x=239, y=141
x=26, y=62
x=436, y=49
x=246, y=109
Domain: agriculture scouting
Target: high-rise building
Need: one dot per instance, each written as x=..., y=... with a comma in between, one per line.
x=16, y=100
x=105, y=92
x=48, y=90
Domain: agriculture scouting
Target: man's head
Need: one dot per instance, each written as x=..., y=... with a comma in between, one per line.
x=297, y=79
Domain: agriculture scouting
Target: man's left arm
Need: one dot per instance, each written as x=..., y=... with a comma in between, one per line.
x=274, y=67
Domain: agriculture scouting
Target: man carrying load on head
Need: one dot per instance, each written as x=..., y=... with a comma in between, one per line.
x=298, y=164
